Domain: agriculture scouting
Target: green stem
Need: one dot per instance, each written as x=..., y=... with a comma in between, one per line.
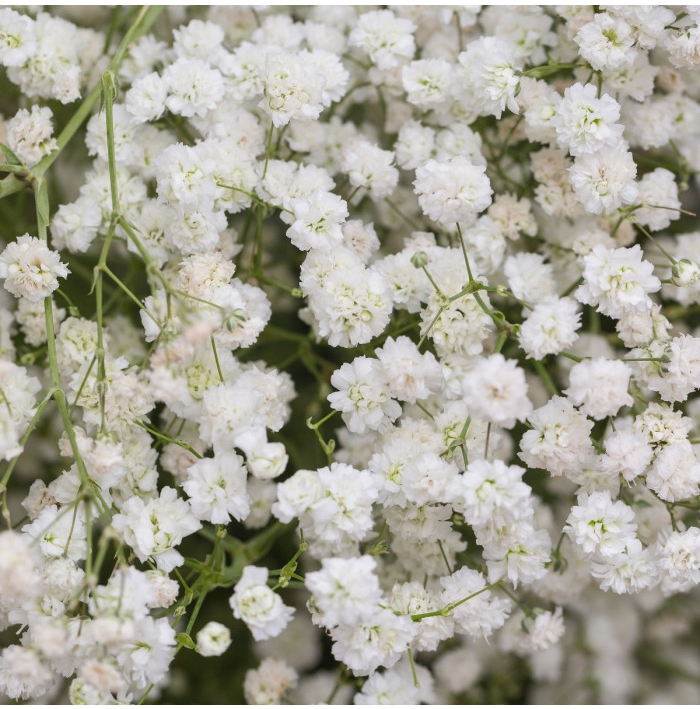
x=446, y=610
x=167, y=439
x=413, y=667
x=544, y=376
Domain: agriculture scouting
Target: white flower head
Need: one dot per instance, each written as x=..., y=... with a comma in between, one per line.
x=387, y=39
x=496, y=391
x=30, y=269
x=258, y=606
x=599, y=525
x=617, y=280
x=452, y=191
x=213, y=639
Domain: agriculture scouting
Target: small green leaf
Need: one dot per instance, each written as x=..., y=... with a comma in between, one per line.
x=186, y=641
x=9, y=155
x=42, y=200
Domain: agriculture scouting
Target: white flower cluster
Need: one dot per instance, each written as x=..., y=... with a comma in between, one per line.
x=382, y=321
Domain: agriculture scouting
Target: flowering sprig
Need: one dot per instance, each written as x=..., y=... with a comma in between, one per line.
x=468, y=232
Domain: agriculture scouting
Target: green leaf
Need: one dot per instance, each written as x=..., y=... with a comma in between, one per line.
x=9, y=185
x=9, y=155
x=186, y=641
x=42, y=200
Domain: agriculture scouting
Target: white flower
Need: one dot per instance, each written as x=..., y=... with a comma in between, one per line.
x=102, y=675
x=546, y=630
x=165, y=589
x=344, y=510
x=410, y=374
x=145, y=100
x=529, y=277
x=217, y=488
x=193, y=87
x=427, y=82
x=213, y=639
x=599, y=387
x=513, y=216
x=660, y=424
x=628, y=571
x=427, y=478
x=297, y=495
x=585, y=123
x=550, y=327
x=368, y=166
x=19, y=578
x=599, y=525
x=492, y=494
x=681, y=375
x=258, y=606
x=74, y=226
x=30, y=134
x=345, y=591
x=30, y=269
x=489, y=76
x=627, y=453
x=384, y=37
x=353, y=305
x=460, y=328
x=198, y=39
x=376, y=641
x=480, y=615
x=496, y=391
x=155, y=528
x=607, y=42
x=617, y=280
x=268, y=683
x=559, y=440
x=23, y=675
x=684, y=48
x=395, y=686
x=679, y=556
x=519, y=554
x=59, y=532
x=675, y=472
x=317, y=221
x=17, y=38
x=293, y=87
x=267, y=461
x=146, y=659
x=363, y=396
x=658, y=195
x=604, y=181
x=452, y=191
x=411, y=598
x=684, y=273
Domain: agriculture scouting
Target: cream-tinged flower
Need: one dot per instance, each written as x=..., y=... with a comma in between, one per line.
x=452, y=191
x=599, y=525
x=604, y=181
x=213, y=639
x=617, y=281
x=30, y=269
x=155, y=528
x=258, y=606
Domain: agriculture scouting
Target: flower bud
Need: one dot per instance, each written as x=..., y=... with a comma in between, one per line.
x=213, y=639
x=684, y=272
x=419, y=259
x=267, y=461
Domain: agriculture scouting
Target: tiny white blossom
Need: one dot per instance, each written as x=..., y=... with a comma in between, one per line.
x=258, y=606
x=213, y=639
x=30, y=269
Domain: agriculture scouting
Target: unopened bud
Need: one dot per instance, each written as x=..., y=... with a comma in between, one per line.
x=419, y=259
x=684, y=273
